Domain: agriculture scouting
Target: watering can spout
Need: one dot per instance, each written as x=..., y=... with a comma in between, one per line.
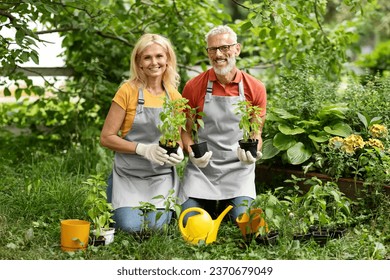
x=217, y=222
x=201, y=226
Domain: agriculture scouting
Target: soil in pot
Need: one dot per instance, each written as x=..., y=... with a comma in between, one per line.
x=199, y=149
x=250, y=145
x=170, y=149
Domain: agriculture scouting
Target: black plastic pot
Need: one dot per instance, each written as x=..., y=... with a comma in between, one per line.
x=250, y=145
x=199, y=149
x=170, y=149
x=269, y=239
x=321, y=236
x=302, y=237
x=338, y=232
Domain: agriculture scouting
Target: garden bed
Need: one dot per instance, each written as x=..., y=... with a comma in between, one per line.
x=276, y=175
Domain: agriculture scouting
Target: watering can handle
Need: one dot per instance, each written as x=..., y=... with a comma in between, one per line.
x=192, y=209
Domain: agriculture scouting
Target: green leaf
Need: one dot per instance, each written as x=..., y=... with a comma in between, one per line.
x=285, y=129
x=269, y=150
x=34, y=56
x=246, y=26
x=283, y=142
x=7, y=92
x=283, y=114
x=339, y=129
x=363, y=119
x=19, y=36
x=319, y=138
x=298, y=154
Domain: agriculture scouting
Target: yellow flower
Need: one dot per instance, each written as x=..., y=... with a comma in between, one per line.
x=375, y=143
x=352, y=143
x=378, y=131
x=335, y=142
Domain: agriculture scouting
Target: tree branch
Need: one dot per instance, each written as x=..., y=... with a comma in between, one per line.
x=241, y=5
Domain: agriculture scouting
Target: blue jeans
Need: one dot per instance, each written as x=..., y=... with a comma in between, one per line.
x=132, y=220
x=215, y=207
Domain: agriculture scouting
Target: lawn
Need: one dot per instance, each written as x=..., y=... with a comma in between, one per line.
x=41, y=186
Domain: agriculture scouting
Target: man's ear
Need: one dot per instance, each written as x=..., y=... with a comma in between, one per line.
x=238, y=49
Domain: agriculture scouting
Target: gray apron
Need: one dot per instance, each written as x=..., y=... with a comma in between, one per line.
x=225, y=177
x=136, y=179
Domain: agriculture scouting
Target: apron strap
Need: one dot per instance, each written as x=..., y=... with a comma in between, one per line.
x=209, y=91
x=141, y=101
x=241, y=90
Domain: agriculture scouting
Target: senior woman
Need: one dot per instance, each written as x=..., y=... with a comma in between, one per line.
x=142, y=170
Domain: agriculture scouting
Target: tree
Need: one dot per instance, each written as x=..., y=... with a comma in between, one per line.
x=98, y=37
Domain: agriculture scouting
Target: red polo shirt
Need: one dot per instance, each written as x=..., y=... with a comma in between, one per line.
x=195, y=89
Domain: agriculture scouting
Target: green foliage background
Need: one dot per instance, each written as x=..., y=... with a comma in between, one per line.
x=278, y=37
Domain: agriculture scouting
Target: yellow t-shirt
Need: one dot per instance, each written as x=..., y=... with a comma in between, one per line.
x=127, y=98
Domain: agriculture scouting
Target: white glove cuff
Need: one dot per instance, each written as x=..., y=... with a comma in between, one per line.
x=140, y=149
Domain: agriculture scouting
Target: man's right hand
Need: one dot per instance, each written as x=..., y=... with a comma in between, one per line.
x=202, y=161
x=152, y=152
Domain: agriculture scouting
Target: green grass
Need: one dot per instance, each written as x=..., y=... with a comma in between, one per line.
x=40, y=186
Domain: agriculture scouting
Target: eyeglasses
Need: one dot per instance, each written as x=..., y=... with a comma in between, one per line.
x=223, y=49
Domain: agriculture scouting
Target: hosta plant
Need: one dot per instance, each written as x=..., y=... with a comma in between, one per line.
x=296, y=140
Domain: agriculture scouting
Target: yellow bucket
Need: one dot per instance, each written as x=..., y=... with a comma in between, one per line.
x=74, y=234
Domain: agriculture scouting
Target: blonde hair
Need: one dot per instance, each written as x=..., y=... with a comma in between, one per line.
x=170, y=76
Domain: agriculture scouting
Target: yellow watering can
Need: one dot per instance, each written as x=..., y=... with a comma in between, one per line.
x=201, y=226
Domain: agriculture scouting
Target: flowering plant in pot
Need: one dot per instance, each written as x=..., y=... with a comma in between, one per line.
x=195, y=122
x=99, y=211
x=251, y=124
x=173, y=119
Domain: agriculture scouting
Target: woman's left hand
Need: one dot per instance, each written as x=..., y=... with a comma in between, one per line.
x=175, y=158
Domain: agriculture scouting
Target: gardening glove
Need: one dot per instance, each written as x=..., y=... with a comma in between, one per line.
x=246, y=157
x=152, y=152
x=175, y=158
x=202, y=161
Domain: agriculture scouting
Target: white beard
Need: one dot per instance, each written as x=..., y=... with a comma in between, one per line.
x=224, y=71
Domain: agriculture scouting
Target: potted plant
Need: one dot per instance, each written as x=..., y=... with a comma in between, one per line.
x=250, y=123
x=195, y=122
x=273, y=213
x=173, y=119
x=99, y=211
x=328, y=210
x=171, y=203
x=297, y=222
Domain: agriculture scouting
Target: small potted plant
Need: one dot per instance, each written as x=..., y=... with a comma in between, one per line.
x=196, y=122
x=99, y=211
x=273, y=214
x=250, y=123
x=328, y=210
x=173, y=119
